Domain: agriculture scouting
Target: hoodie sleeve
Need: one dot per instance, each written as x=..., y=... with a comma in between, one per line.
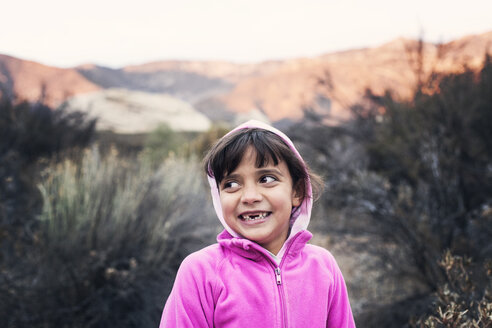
x=339, y=312
x=190, y=303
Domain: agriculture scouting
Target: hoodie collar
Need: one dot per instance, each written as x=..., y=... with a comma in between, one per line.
x=251, y=250
x=300, y=217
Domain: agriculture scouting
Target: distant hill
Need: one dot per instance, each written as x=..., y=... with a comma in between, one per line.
x=186, y=85
x=278, y=89
x=32, y=81
x=283, y=92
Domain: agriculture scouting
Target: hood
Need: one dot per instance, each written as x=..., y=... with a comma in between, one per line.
x=300, y=217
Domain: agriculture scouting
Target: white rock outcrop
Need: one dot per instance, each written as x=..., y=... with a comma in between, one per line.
x=125, y=111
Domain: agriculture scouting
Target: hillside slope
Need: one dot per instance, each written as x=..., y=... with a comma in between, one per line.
x=278, y=89
x=31, y=81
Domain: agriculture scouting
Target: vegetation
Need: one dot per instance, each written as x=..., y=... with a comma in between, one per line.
x=163, y=142
x=414, y=179
x=105, y=234
x=112, y=234
x=91, y=238
x=28, y=133
x=461, y=302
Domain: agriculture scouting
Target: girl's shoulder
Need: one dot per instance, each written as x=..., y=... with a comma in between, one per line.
x=318, y=251
x=208, y=258
x=320, y=254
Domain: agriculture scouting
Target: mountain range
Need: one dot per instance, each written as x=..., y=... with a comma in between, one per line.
x=224, y=91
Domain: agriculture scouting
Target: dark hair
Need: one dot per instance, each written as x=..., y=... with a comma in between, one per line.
x=225, y=156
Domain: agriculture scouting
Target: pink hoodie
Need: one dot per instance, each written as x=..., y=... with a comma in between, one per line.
x=238, y=283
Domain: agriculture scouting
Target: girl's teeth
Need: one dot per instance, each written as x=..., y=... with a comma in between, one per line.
x=254, y=217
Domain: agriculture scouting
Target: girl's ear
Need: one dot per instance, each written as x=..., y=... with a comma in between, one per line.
x=297, y=194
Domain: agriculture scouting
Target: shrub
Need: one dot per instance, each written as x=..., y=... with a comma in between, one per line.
x=411, y=179
x=113, y=233
x=28, y=133
x=204, y=141
x=163, y=142
x=461, y=302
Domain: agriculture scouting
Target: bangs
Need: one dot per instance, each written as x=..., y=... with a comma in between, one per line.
x=266, y=145
x=226, y=155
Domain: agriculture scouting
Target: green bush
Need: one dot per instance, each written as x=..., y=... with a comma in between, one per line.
x=162, y=143
x=204, y=141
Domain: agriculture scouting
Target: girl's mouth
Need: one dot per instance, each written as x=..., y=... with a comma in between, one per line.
x=254, y=216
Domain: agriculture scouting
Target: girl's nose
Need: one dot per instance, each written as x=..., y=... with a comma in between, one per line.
x=250, y=195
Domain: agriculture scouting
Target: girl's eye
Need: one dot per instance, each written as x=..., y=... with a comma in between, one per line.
x=267, y=179
x=230, y=185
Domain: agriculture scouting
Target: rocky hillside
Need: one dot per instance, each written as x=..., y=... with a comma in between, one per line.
x=32, y=81
x=284, y=91
x=278, y=89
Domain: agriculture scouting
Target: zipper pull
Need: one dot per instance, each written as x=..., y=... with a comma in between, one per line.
x=277, y=275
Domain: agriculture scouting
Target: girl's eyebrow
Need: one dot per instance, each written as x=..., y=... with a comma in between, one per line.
x=230, y=176
x=270, y=171
x=260, y=171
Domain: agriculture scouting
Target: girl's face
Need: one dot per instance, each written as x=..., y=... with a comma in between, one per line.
x=257, y=202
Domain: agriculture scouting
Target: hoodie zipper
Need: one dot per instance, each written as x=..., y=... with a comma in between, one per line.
x=280, y=286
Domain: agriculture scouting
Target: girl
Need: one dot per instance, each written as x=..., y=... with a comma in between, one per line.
x=262, y=272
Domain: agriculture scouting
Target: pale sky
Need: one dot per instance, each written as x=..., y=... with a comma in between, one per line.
x=115, y=33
